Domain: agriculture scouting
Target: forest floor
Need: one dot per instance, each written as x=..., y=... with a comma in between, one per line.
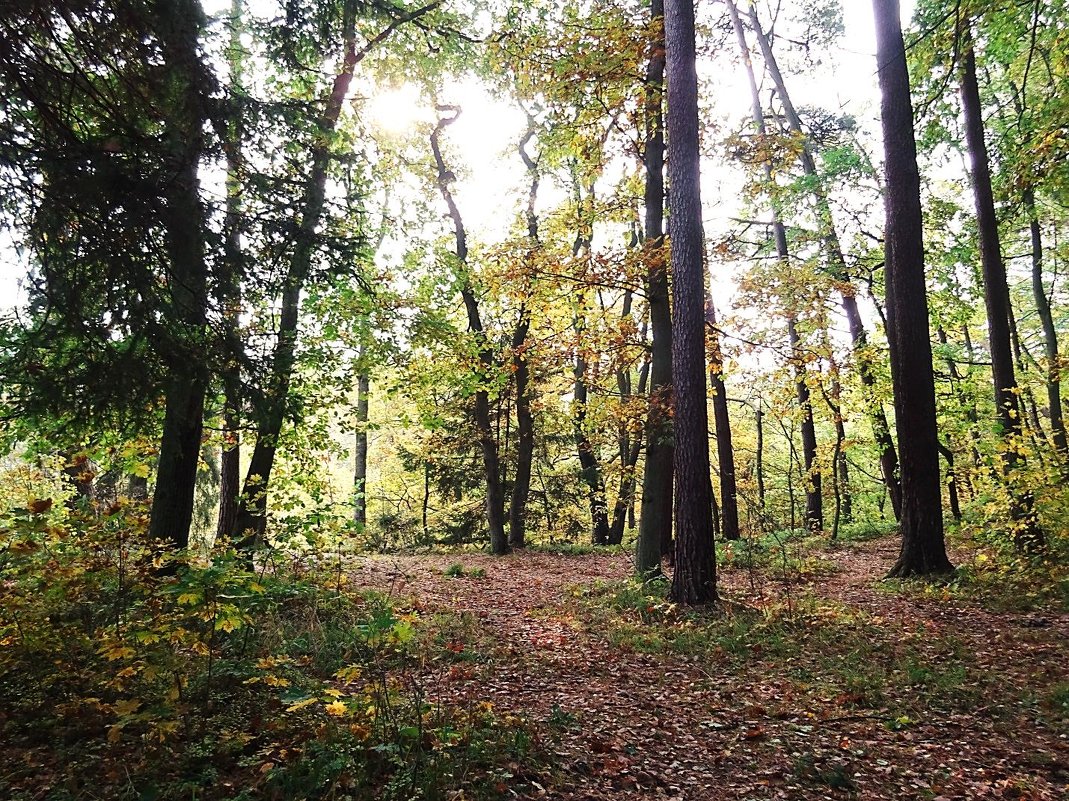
x=814, y=681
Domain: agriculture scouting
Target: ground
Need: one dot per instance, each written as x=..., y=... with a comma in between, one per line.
x=822, y=682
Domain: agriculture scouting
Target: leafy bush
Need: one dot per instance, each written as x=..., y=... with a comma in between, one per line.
x=131, y=673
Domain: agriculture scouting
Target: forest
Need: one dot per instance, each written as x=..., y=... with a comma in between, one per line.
x=477, y=399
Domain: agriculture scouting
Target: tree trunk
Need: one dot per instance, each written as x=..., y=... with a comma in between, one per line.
x=814, y=501
x=363, y=388
x=923, y=548
x=694, y=578
x=1050, y=334
x=229, y=287
x=185, y=223
x=1027, y=533
x=630, y=449
x=729, y=503
x=655, y=520
x=521, y=486
x=251, y=521
x=588, y=460
x=495, y=497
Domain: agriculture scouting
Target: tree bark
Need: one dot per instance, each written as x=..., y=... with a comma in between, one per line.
x=655, y=520
x=185, y=223
x=694, y=578
x=1027, y=533
x=923, y=547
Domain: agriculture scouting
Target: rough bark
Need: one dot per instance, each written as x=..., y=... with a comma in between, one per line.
x=1027, y=533
x=694, y=578
x=923, y=548
x=655, y=520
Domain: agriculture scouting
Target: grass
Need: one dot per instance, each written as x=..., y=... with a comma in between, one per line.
x=828, y=649
x=457, y=570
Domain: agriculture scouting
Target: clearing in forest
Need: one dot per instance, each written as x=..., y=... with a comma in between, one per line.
x=825, y=685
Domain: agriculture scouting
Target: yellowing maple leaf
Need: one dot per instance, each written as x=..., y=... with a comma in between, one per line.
x=336, y=708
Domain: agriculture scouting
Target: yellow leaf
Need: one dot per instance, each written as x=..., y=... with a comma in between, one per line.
x=348, y=674
x=336, y=709
x=128, y=707
x=301, y=704
x=334, y=693
x=188, y=598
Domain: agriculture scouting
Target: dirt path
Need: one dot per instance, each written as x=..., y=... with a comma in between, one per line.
x=628, y=725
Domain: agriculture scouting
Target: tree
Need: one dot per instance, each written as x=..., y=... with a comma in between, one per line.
x=1027, y=533
x=835, y=258
x=655, y=523
x=495, y=499
x=103, y=135
x=694, y=578
x=923, y=547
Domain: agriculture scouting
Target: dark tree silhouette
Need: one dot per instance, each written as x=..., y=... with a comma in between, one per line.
x=694, y=579
x=923, y=548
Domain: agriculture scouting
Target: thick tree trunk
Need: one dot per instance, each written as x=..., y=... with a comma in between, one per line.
x=363, y=389
x=923, y=548
x=881, y=431
x=694, y=578
x=655, y=520
x=729, y=503
x=1027, y=533
x=495, y=497
x=176, y=476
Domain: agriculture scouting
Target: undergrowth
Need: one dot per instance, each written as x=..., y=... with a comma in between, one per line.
x=128, y=673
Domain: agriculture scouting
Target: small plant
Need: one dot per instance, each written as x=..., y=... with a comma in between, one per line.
x=457, y=570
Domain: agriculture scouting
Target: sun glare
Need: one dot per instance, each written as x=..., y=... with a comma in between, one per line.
x=397, y=110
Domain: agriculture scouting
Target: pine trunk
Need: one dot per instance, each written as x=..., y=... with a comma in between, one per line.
x=694, y=578
x=923, y=548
